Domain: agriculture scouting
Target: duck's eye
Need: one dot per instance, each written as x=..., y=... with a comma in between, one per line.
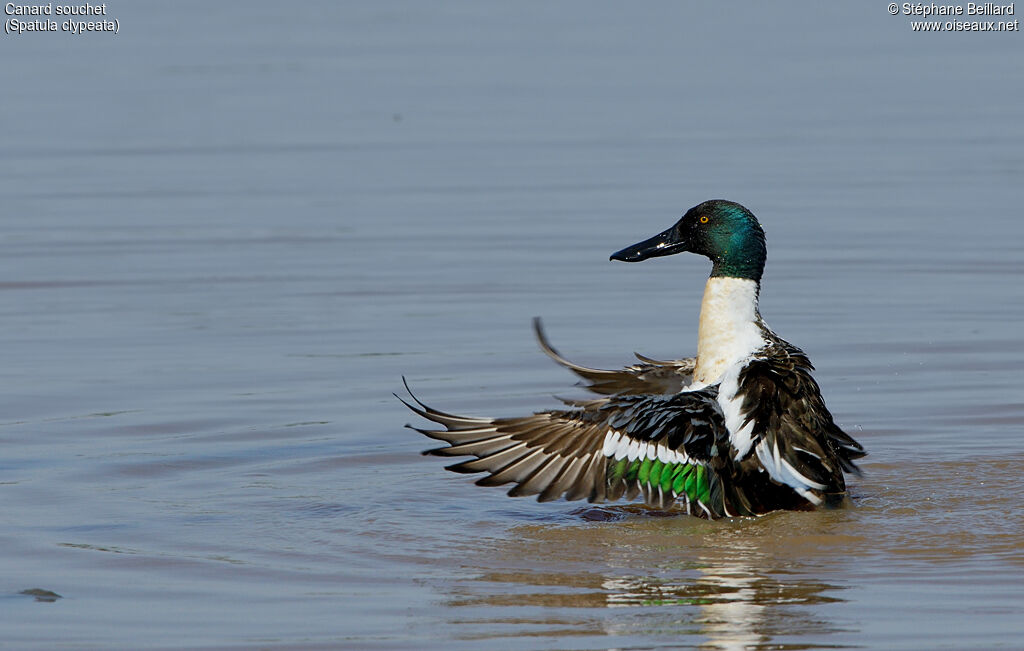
x=703, y=219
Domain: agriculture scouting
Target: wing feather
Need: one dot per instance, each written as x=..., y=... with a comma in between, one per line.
x=563, y=453
x=798, y=442
x=541, y=477
x=644, y=435
x=649, y=377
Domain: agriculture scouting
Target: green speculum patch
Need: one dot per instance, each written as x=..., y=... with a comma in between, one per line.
x=683, y=478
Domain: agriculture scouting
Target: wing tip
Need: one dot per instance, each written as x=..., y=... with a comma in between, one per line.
x=585, y=372
x=545, y=343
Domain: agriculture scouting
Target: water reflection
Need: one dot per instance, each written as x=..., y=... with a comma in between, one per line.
x=729, y=585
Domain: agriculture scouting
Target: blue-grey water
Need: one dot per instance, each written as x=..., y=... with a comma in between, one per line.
x=228, y=230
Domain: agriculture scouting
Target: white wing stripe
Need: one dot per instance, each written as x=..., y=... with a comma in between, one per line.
x=781, y=471
x=611, y=442
x=663, y=454
x=633, y=449
x=621, y=446
x=794, y=472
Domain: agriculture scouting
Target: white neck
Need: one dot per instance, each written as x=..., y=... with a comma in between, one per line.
x=729, y=329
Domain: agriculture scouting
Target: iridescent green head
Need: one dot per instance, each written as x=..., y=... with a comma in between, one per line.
x=724, y=231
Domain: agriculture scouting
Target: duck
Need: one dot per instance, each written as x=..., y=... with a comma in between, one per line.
x=741, y=429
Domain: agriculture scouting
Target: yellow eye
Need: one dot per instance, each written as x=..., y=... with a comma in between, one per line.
x=703, y=219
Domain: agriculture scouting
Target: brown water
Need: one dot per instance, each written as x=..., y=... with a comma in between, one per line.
x=229, y=230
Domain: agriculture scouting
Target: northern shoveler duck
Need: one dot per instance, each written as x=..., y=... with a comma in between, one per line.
x=741, y=429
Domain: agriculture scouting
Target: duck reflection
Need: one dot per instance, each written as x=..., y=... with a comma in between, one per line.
x=732, y=585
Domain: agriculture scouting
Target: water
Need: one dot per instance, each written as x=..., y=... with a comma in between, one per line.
x=230, y=229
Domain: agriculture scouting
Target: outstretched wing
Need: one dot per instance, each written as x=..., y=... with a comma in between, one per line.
x=649, y=377
x=791, y=429
x=663, y=447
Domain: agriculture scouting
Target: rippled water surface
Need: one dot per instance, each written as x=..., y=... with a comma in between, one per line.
x=229, y=230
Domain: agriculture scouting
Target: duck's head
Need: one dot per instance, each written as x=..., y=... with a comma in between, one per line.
x=724, y=231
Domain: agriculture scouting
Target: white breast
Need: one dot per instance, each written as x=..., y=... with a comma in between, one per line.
x=729, y=329
x=729, y=335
